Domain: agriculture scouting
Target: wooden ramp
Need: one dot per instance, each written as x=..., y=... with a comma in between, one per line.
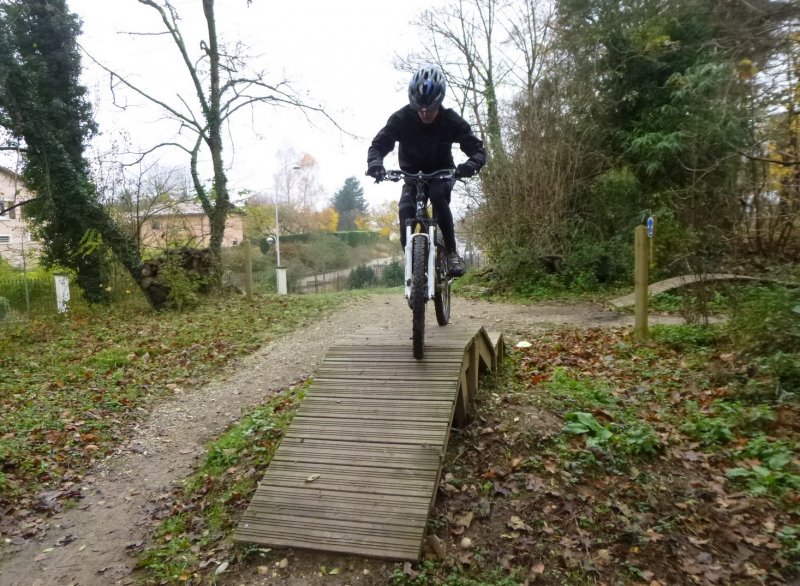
x=685, y=281
x=358, y=469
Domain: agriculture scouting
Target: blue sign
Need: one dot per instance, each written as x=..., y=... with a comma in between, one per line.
x=651, y=225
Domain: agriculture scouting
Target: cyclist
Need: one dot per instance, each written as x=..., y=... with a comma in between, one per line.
x=426, y=133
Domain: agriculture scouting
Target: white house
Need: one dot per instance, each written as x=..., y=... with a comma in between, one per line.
x=15, y=238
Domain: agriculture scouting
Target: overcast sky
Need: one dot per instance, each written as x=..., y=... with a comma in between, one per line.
x=338, y=54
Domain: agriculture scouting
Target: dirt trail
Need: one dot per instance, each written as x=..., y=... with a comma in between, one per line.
x=89, y=545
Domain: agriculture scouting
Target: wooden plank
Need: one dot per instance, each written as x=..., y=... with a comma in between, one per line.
x=365, y=454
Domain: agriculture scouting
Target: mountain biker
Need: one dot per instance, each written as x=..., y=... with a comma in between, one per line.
x=426, y=133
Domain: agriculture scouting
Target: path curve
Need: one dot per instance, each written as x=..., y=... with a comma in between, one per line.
x=89, y=544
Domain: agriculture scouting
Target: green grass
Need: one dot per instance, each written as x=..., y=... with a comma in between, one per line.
x=69, y=386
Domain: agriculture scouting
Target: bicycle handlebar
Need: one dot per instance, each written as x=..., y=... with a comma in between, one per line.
x=441, y=175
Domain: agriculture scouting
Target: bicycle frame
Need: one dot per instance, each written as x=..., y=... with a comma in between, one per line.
x=426, y=273
x=421, y=226
x=421, y=221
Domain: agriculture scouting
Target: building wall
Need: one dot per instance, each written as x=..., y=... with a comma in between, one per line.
x=15, y=239
x=192, y=229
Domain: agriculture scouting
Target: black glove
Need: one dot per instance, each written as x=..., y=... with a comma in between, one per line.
x=377, y=172
x=465, y=170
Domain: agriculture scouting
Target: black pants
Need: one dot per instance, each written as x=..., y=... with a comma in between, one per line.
x=439, y=196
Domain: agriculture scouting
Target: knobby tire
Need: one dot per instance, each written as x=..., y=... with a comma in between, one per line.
x=419, y=290
x=441, y=298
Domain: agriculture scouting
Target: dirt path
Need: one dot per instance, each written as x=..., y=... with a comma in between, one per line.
x=89, y=544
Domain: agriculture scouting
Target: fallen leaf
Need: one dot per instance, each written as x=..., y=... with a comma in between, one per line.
x=312, y=478
x=603, y=557
x=464, y=520
x=654, y=535
x=517, y=524
x=409, y=571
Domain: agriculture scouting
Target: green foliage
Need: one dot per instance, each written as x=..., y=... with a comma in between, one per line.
x=184, y=286
x=766, y=321
x=357, y=237
x=582, y=392
x=685, y=337
x=718, y=423
x=591, y=264
x=5, y=308
x=394, y=274
x=765, y=327
x=361, y=277
x=640, y=439
x=585, y=424
x=43, y=104
x=349, y=202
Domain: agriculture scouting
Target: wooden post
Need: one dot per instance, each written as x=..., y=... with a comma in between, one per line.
x=641, y=282
x=248, y=270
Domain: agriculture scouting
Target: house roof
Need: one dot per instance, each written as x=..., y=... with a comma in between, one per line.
x=188, y=209
x=181, y=209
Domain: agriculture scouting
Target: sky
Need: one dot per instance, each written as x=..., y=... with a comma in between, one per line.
x=337, y=54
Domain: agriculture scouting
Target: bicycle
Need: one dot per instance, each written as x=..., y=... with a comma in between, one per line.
x=423, y=259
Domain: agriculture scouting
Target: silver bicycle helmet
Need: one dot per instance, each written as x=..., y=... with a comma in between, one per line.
x=426, y=89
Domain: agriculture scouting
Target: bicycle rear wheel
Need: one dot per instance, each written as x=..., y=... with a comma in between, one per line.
x=419, y=291
x=441, y=297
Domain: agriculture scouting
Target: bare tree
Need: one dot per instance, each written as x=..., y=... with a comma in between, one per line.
x=483, y=46
x=223, y=86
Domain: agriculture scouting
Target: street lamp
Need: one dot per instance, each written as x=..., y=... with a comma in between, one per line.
x=280, y=272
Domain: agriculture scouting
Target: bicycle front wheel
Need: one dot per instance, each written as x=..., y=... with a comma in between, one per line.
x=419, y=291
x=441, y=298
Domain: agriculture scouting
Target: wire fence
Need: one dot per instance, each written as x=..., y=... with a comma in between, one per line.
x=360, y=277
x=22, y=296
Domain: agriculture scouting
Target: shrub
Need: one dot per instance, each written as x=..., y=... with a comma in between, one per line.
x=394, y=274
x=362, y=277
x=684, y=337
x=765, y=327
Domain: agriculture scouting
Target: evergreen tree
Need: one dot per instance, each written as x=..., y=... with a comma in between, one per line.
x=43, y=104
x=349, y=203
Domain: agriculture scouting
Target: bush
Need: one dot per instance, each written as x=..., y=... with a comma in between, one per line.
x=765, y=327
x=591, y=264
x=357, y=237
x=766, y=322
x=684, y=337
x=394, y=274
x=362, y=277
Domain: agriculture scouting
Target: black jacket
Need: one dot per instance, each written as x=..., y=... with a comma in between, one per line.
x=426, y=147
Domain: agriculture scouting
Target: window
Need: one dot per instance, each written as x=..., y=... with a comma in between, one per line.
x=4, y=215
x=5, y=239
x=156, y=225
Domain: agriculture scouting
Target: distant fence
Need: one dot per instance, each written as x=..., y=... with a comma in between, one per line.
x=24, y=296
x=360, y=277
x=21, y=296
